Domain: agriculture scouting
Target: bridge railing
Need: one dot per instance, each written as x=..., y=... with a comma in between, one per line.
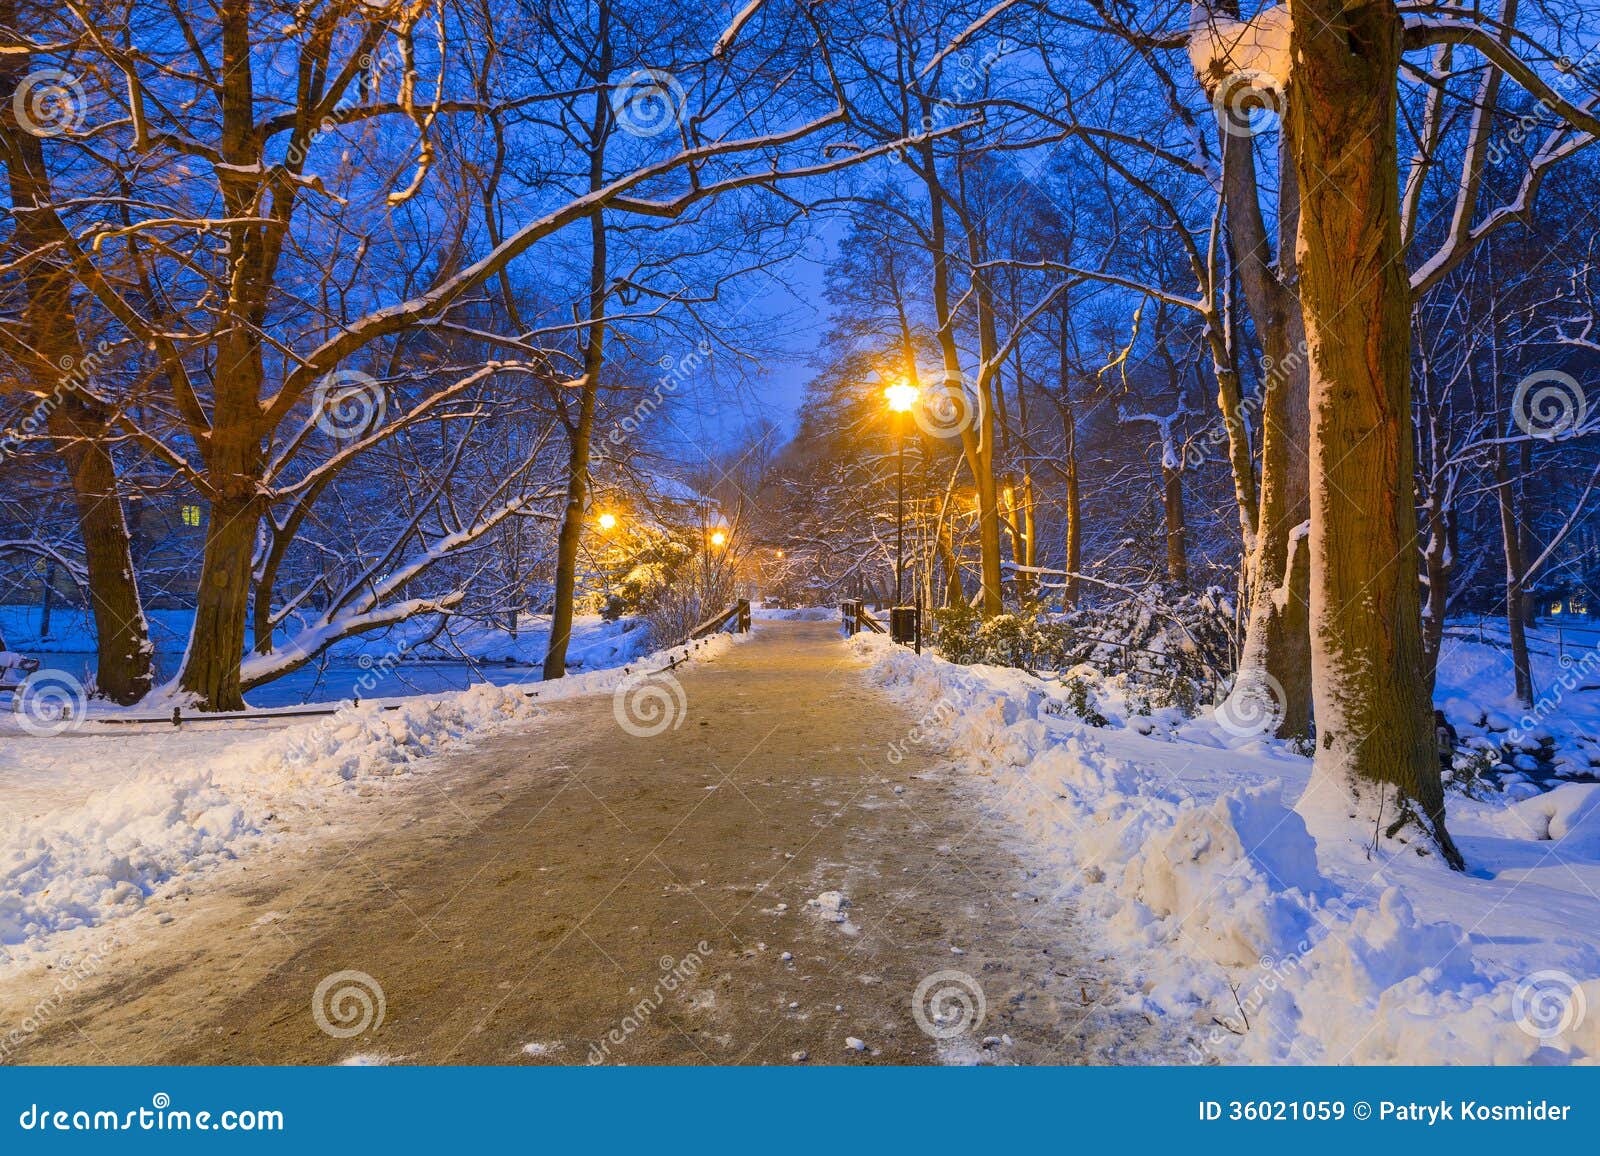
x=857, y=618
x=738, y=615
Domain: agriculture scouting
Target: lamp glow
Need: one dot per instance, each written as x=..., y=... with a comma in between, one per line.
x=607, y=521
x=718, y=538
x=902, y=396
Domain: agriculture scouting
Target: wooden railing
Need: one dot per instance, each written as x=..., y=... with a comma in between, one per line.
x=740, y=610
x=857, y=618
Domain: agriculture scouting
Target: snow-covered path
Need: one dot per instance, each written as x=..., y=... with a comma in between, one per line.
x=777, y=874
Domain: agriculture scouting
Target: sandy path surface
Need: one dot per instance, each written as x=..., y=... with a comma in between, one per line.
x=573, y=892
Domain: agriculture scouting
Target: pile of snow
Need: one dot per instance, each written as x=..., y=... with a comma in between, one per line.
x=194, y=798
x=79, y=867
x=830, y=905
x=1263, y=940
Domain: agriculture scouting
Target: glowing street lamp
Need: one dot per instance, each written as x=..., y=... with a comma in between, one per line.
x=607, y=522
x=718, y=538
x=902, y=396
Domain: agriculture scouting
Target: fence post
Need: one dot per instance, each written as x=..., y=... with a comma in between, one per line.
x=744, y=616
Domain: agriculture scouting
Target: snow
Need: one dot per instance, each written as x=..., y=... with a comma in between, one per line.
x=796, y=614
x=1254, y=918
x=1474, y=689
x=96, y=822
x=831, y=905
x=1221, y=46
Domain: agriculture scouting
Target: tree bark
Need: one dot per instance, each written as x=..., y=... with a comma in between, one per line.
x=78, y=422
x=1511, y=539
x=1374, y=718
x=1073, y=544
x=1177, y=532
x=210, y=671
x=977, y=438
x=580, y=431
x=123, y=653
x=1274, y=656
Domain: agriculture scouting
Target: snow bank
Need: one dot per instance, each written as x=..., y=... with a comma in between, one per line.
x=80, y=866
x=193, y=800
x=1201, y=878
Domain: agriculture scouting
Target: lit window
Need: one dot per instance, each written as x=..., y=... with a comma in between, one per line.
x=191, y=515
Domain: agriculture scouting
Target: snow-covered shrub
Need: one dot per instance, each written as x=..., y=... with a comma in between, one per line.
x=1021, y=641
x=955, y=632
x=1167, y=652
x=1080, y=701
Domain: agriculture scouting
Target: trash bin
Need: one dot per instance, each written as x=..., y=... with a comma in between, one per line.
x=903, y=624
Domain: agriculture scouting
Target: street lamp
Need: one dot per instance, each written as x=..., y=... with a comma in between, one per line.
x=718, y=538
x=607, y=522
x=901, y=396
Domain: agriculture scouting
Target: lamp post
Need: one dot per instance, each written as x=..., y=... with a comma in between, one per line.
x=901, y=396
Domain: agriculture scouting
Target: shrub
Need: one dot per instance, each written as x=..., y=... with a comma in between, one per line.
x=1080, y=701
x=955, y=630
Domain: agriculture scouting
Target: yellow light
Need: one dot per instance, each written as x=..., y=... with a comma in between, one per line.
x=608, y=521
x=902, y=396
x=718, y=538
x=780, y=553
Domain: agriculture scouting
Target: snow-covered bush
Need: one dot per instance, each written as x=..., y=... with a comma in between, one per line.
x=1168, y=652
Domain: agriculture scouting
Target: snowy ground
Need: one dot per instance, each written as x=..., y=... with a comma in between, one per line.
x=1560, y=737
x=1257, y=916
x=93, y=821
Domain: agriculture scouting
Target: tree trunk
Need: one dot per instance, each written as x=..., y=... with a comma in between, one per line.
x=1511, y=539
x=1437, y=553
x=580, y=432
x=1273, y=657
x=1172, y=508
x=567, y=542
x=1073, y=545
x=77, y=422
x=122, y=637
x=216, y=643
x=1374, y=718
x=977, y=437
x=47, y=600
